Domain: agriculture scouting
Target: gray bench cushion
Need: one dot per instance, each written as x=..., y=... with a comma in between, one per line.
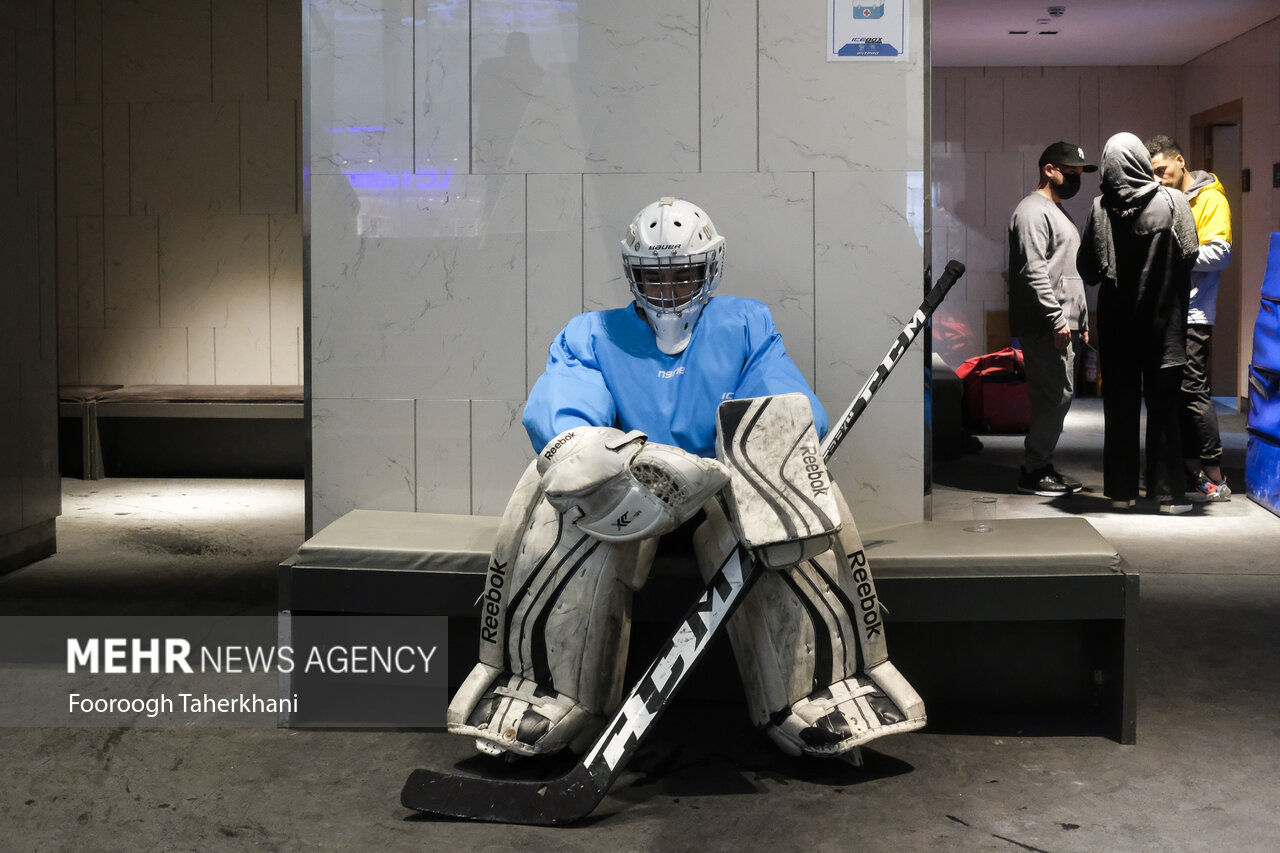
x=384, y=539
x=1015, y=546
x=203, y=394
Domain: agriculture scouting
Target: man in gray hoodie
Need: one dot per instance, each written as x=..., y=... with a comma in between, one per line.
x=1046, y=305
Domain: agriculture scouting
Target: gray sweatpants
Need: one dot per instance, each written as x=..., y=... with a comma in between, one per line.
x=1050, y=388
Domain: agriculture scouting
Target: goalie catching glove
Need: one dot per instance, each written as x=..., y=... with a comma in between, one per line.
x=618, y=487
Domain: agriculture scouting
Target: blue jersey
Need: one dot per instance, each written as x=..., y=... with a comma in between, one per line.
x=605, y=369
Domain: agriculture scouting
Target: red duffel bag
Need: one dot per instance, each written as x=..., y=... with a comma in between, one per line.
x=995, y=392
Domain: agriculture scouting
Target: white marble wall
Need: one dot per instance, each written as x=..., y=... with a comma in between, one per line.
x=179, y=217
x=473, y=166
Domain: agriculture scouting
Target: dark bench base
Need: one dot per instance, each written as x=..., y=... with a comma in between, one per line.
x=182, y=431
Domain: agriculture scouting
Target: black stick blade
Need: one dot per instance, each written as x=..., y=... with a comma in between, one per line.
x=565, y=799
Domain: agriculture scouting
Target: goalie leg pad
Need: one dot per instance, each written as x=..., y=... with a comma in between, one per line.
x=555, y=624
x=507, y=713
x=810, y=648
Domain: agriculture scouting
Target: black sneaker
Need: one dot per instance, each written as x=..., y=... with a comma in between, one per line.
x=1042, y=481
x=1073, y=485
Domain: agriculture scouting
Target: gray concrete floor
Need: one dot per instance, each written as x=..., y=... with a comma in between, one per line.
x=1202, y=776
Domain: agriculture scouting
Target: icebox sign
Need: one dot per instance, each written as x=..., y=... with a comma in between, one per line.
x=861, y=30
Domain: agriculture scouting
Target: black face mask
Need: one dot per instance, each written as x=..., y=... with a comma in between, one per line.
x=1069, y=187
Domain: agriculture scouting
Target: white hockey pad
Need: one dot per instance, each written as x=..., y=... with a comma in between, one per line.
x=814, y=624
x=849, y=713
x=779, y=498
x=554, y=626
x=619, y=488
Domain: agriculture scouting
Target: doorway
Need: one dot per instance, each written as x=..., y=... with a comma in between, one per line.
x=1215, y=147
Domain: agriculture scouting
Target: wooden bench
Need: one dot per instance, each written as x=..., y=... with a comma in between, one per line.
x=1028, y=629
x=92, y=404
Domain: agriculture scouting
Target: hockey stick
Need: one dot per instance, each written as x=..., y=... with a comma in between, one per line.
x=573, y=796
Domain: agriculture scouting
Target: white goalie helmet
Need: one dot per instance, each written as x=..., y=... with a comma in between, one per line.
x=674, y=258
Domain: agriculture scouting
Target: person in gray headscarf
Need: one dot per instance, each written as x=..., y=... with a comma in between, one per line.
x=1138, y=247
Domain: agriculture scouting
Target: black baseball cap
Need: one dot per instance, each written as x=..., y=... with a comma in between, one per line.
x=1066, y=154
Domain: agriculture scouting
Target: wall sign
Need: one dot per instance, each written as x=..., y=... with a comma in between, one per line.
x=866, y=30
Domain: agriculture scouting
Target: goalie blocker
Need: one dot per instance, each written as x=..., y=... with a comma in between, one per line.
x=808, y=639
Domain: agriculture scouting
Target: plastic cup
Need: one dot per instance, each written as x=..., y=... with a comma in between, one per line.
x=984, y=512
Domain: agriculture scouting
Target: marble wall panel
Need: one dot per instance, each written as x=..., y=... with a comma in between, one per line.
x=442, y=460
x=68, y=296
x=202, y=355
x=419, y=290
x=362, y=457
x=238, y=49
x=867, y=226
x=20, y=305
x=500, y=453
x=1006, y=184
x=11, y=450
x=286, y=299
x=554, y=257
x=140, y=135
x=956, y=107
x=730, y=99
x=131, y=272
x=284, y=50
x=146, y=356
x=9, y=127
x=212, y=271
x=89, y=280
x=79, y=159
x=836, y=116
x=880, y=465
x=89, y=55
x=767, y=223
x=115, y=160
x=442, y=88
x=64, y=52
x=1040, y=108
x=156, y=50
x=984, y=113
x=584, y=87
x=184, y=158
x=987, y=265
x=242, y=355
x=268, y=152
x=41, y=485
x=1141, y=101
x=361, y=67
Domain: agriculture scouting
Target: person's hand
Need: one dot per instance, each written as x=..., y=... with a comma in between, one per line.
x=1062, y=337
x=1084, y=336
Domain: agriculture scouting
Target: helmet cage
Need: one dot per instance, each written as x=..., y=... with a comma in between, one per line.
x=655, y=281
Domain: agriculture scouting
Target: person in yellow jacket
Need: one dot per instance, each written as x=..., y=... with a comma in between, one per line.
x=1201, y=442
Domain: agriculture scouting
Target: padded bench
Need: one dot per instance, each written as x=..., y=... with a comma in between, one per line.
x=998, y=631
x=92, y=403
